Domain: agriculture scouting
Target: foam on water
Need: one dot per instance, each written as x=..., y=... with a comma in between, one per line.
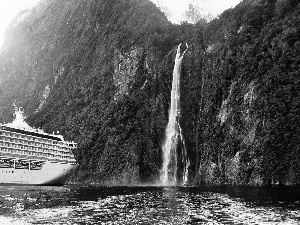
x=146, y=205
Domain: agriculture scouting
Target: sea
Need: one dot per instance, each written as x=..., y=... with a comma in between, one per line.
x=149, y=205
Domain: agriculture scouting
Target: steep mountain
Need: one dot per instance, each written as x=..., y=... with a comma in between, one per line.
x=100, y=73
x=250, y=114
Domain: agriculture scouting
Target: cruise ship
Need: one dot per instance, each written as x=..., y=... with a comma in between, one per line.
x=32, y=157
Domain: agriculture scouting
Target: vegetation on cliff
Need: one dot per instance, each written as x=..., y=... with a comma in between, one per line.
x=100, y=71
x=251, y=98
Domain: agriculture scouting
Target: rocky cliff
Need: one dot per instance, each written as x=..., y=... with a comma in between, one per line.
x=250, y=113
x=100, y=72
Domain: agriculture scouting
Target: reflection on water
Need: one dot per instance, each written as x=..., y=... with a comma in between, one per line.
x=149, y=205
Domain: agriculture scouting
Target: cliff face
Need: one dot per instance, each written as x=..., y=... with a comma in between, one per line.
x=100, y=72
x=252, y=96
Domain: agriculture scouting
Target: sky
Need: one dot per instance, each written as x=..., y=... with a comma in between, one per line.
x=178, y=7
x=10, y=8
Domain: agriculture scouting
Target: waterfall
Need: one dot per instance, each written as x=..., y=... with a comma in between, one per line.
x=185, y=160
x=173, y=133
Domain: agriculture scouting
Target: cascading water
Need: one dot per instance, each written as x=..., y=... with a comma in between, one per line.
x=168, y=174
x=185, y=160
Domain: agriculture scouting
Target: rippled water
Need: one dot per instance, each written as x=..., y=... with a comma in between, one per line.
x=149, y=205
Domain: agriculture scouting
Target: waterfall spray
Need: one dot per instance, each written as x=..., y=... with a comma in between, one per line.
x=173, y=131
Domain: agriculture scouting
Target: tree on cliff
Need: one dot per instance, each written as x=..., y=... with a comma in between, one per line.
x=108, y=66
x=85, y=52
x=252, y=52
x=195, y=14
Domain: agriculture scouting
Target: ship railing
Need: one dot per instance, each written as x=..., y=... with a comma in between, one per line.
x=5, y=162
x=6, y=157
x=24, y=151
x=36, y=164
x=21, y=163
x=31, y=140
x=15, y=160
x=37, y=160
x=41, y=147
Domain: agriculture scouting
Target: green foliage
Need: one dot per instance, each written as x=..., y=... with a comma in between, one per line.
x=260, y=49
x=70, y=46
x=195, y=14
x=239, y=88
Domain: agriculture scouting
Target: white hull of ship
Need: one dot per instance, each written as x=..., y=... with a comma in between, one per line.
x=51, y=173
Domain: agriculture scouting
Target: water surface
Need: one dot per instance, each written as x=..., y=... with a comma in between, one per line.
x=149, y=205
